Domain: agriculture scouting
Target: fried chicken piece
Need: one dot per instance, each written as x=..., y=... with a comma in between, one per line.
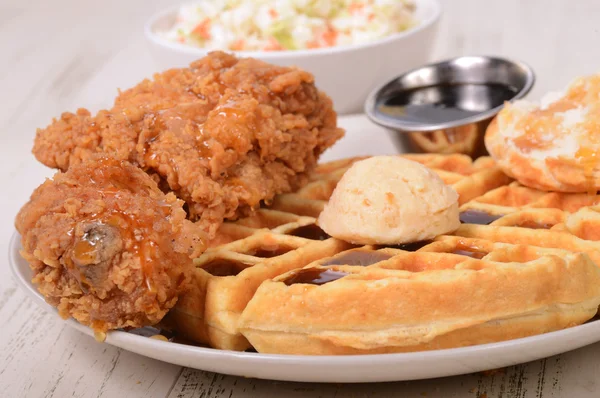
x=224, y=134
x=106, y=246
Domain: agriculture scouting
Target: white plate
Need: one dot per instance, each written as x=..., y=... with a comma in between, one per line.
x=335, y=369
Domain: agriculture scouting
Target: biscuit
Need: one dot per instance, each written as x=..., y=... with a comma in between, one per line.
x=553, y=145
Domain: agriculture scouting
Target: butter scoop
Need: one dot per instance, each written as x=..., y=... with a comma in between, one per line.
x=390, y=200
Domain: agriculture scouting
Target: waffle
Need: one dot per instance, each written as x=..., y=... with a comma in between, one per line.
x=282, y=238
x=249, y=292
x=453, y=292
x=518, y=214
x=227, y=276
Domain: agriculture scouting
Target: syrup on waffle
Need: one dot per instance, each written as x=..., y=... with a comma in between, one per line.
x=503, y=223
x=518, y=214
x=450, y=293
x=229, y=273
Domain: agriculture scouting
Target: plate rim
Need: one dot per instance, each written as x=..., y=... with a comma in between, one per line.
x=138, y=344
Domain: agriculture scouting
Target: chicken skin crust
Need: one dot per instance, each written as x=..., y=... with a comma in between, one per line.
x=224, y=134
x=107, y=246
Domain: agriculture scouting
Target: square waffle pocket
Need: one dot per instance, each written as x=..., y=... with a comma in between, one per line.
x=282, y=238
x=453, y=292
x=518, y=214
x=227, y=275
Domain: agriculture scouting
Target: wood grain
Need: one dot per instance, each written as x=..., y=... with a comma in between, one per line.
x=63, y=54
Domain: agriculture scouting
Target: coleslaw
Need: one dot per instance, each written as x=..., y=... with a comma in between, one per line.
x=280, y=25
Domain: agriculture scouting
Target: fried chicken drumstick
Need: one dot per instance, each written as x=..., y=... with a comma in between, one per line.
x=223, y=134
x=107, y=246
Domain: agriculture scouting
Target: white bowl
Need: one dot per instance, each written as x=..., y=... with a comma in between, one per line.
x=346, y=73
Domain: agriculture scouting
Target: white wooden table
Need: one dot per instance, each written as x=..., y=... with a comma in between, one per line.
x=63, y=54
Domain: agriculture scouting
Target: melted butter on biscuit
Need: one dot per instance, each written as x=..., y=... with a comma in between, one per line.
x=564, y=125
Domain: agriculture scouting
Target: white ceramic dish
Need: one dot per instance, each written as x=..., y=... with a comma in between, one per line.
x=346, y=73
x=335, y=369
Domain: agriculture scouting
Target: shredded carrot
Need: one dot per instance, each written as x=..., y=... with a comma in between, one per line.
x=273, y=13
x=355, y=7
x=273, y=45
x=312, y=44
x=238, y=45
x=371, y=16
x=203, y=29
x=330, y=35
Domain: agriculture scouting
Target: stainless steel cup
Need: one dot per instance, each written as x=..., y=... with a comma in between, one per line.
x=461, y=131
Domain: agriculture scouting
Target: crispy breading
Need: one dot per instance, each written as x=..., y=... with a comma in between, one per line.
x=224, y=134
x=107, y=246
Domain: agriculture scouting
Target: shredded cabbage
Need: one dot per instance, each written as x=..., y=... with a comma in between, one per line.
x=266, y=25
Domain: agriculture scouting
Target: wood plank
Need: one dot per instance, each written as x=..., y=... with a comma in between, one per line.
x=65, y=54
x=558, y=376
x=50, y=68
x=41, y=356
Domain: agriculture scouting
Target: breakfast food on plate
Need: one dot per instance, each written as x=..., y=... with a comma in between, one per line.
x=227, y=276
x=553, y=145
x=280, y=255
x=250, y=25
x=244, y=254
x=521, y=215
x=106, y=246
x=356, y=256
x=223, y=134
x=452, y=293
x=224, y=312
x=390, y=200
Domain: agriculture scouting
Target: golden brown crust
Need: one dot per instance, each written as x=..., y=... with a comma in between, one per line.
x=107, y=247
x=552, y=174
x=534, y=237
x=571, y=224
x=209, y=312
x=553, y=145
x=223, y=134
x=548, y=320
